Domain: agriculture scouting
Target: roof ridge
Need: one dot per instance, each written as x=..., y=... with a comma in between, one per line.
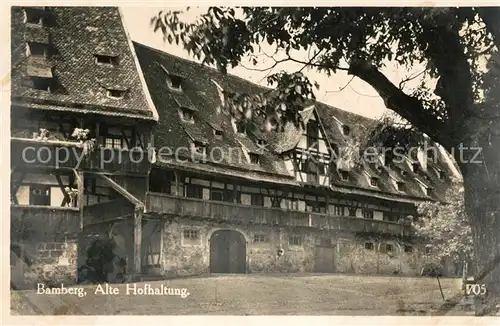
x=241, y=78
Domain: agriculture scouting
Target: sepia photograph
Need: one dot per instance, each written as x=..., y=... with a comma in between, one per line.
x=254, y=161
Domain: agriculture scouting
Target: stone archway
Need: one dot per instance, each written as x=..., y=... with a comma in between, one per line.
x=228, y=252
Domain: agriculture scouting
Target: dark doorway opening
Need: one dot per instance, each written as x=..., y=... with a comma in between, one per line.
x=228, y=252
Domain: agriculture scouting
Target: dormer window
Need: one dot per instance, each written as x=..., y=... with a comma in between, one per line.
x=240, y=127
x=403, y=172
x=415, y=167
x=344, y=175
x=431, y=154
x=400, y=185
x=261, y=142
x=34, y=16
x=441, y=174
x=254, y=158
x=428, y=191
x=199, y=148
x=37, y=50
x=106, y=60
x=116, y=94
x=218, y=134
x=174, y=82
x=186, y=114
x=374, y=182
x=346, y=130
x=41, y=84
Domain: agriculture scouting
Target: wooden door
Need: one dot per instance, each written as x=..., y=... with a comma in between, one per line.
x=324, y=259
x=227, y=252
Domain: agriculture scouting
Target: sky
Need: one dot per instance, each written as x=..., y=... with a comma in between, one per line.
x=357, y=97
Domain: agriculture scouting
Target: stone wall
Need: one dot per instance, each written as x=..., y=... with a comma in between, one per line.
x=180, y=256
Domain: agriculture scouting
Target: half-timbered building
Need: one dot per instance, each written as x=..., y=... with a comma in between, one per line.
x=208, y=195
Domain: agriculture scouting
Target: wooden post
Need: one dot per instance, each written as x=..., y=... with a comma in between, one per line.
x=137, y=240
x=79, y=181
x=177, y=184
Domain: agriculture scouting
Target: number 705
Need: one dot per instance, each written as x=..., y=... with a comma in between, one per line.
x=476, y=289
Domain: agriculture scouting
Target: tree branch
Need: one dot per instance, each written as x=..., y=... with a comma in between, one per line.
x=408, y=107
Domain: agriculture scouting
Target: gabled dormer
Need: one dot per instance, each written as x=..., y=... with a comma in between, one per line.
x=174, y=80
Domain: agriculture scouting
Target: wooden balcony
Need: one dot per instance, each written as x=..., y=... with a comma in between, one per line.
x=68, y=155
x=44, y=221
x=182, y=206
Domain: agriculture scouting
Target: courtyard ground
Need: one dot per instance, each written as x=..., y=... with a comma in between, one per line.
x=310, y=294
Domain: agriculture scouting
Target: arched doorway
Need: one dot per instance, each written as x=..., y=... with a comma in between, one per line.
x=228, y=252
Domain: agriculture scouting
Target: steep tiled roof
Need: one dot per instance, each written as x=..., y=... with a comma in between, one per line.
x=199, y=89
x=73, y=36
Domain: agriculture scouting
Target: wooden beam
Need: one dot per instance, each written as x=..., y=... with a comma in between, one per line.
x=122, y=191
x=66, y=199
x=79, y=181
x=137, y=241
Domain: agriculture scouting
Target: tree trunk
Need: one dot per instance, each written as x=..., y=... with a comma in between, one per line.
x=482, y=203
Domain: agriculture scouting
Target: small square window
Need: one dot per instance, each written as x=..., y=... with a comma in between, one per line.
x=368, y=213
x=106, y=60
x=369, y=245
x=344, y=175
x=191, y=234
x=218, y=134
x=415, y=167
x=389, y=247
x=428, y=191
x=401, y=186
x=116, y=94
x=295, y=240
x=261, y=142
x=254, y=158
x=175, y=82
x=260, y=238
x=374, y=182
x=186, y=115
x=257, y=200
x=346, y=130
x=431, y=154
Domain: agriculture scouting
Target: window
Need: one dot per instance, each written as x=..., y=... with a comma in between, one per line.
x=312, y=133
x=186, y=114
x=400, y=186
x=428, y=249
x=191, y=234
x=34, y=16
x=389, y=247
x=257, y=200
x=408, y=249
x=174, y=82
x=368, y=213
x=37, y=50
x=344, y=175
x=316, y=207
x=352, y=211
x=216, y=195
x=194, y=191
x=113, y=142
x=431, y=154
x=39, y=195
x=295, y=240
x=369, y=245
x=428, y=191
x=218, y=134
x=415, y=167
x=374, y=182
x=41, y=84
x=106, y=60
x=261, y=142
x=240, y=127
x=260, y=238
x=441, y=174
x=254, y=158
x=339, y=210
x=116, y=94
x=199, y=148
x=346, y=130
